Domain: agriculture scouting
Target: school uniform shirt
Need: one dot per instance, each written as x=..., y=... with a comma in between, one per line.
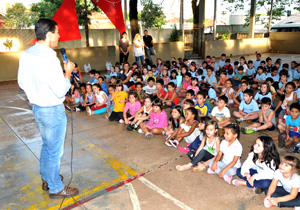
x=289, y=183
x=230, y=76
x=210, y=79
x=113, y=74
x=222, y=63
x=220, y=115
x=104, y=88
x=132, y=109
x=95, y=81
x=297, y=92
x=235, y=149
x=212, y=93
x=294, y=125
x=193, y=73
x=240, y=76
x=251, y=71
x=203, y=110
x=258, y=96
x=149, y=90
x=261, y=77
x=119, y=107
x=159, y=120
x=275, y=78
x=256, y=64
x=296, y=74
x=248, y=108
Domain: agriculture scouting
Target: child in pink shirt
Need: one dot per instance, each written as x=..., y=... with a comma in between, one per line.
x=194, y=85
x=132, y=106
x=158, y=121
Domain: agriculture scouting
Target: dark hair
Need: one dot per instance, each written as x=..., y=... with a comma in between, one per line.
x=292, y=84
x=235, y=129
x=204, y=62
x=208, y=56
x=230, y=71
x=268, y=59
x=294, y=62
x=189, y=102
x=111, y=86
x=119, y=83
x=227, y=60
x=98, y=86
x=82, y=85
x=268, y=89
x=266, y=100
x=139, y=77
x=204, y=86
x=264, y=62
x=92, y=71
x=204, y=119
x=190, y=91
x=295, y=106
x=97, y=72
x=176, y=122
x=101, y=77
x=260, y=67
x=245, y=78
x=244, y=82
x=274, y=68
x=150, y=79
x=145, y=30
x=223, y=54
x=160, y=81
x=229, y=80
x=188, y=74
x=270, y=79
x=171, y=84
x=200, y=71
x=158, y=102
x=124, y=33
x=194, y=78
x=223, y=98
x=250, y=61
x=43, y=26
x=202, y=93
x=236, y=63
x=133, y=94
x=223, y=72
x=285, y=65
x=173, y=71
x=258, y=54
x=148, y=97
x=138, y=83
x=270, y=153
x=194, y=112
x=284, y=72
x=249, y=92
x=240, y=68
x=150, y=70
x=210, y=68
x=89, y=85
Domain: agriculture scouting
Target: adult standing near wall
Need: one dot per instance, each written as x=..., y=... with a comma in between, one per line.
x=124, y=48
x=149, y=46
x=138, y=51
x=41, y=77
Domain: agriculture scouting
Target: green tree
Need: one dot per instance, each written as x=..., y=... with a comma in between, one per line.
x=152, y=15
x=17, y=17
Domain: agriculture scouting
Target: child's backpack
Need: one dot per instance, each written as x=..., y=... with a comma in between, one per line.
x=108, y=65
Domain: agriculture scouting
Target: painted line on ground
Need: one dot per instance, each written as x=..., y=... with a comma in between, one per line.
x=164, y=193
x=133, y=196
x=18, y=108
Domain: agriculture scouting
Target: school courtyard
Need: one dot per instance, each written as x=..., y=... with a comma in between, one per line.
x=112, y=168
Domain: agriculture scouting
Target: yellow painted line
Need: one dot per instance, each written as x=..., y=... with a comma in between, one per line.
x=40, y=200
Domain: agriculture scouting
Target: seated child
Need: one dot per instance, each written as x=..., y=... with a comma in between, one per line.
x=143, y=115
x=284, y=188
x=292, y=128
x=194, y=85
x=210, y=77
x=150, y=75
x=228, y=91
x=280, y=87
x=140, y=93
x=131, y=107
x=270, y=82
x=138, y=79
x=175, y=121
x=171, y=99
x=112, y=73
x=158, y=120
x=74, y=97
x=297, y=89
x=238, y=76
x=285, y=98
x=173, y=77
x=239, y=95
x=150, y=87
x=231, y=150
x=187, y=104
x=221, y=113
x=260, y=78
x=110, y=103
x=212, y=95
x=183, y=88
x=251, y=71
x=264, y=92
x=165, y=77
x=248, y=108
x=201, y=106
x=76, y=76
x=92, y=76
x=160, y=91
x=188, y=130
x=101, y=101
x=273, y=74
x=89, y=99
x=207, y=151
x=102, y=84
x=190, y=94
x=221, y=84
x=266, y=118
x=282, y=117
x=230, y=74
x=258, y=170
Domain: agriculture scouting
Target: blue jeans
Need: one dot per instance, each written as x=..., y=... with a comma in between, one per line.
x=280, y=192
x=52, y=122
x=263, y=183
x=137, y=60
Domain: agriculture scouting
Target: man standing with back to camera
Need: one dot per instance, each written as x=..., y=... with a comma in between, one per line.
x=41, y=77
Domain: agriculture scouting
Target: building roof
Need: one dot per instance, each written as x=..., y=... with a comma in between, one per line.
x=295, y=18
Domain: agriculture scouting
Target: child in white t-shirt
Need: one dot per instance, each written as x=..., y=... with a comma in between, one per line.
x=284, y=189
x=228, y=91
x=231, y=150
x=150, y=88
x=221, y=113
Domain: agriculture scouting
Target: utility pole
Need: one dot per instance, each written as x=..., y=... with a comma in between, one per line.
x=215, y=19
x=270, y=17
x=86, y=25
x=181, y=25
x=252, y=19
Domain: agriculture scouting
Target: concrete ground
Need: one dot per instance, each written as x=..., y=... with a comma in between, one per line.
x=113, y=168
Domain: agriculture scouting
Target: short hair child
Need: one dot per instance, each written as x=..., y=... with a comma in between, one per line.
x=221, y=113
x=201, y=106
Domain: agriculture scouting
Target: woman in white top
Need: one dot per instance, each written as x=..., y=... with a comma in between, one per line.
x=138, y=46
x=258, y=170
x=208, y=149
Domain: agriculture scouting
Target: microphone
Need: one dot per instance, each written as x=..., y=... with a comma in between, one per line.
x=63, y=52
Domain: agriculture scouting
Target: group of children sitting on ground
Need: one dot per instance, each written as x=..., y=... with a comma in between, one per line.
x=138, y=96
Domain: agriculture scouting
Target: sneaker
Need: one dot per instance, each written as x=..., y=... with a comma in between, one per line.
x=168, y=136
x=148, y=135
x=129, y=127
x=249, y=131
x=135, y=126
x=296, y=150
x=258, y=190
x=174, y=143
x=234, y=182
x=168, y=143
x=88, y=111
x=243, y=129
x=267, y=203
x=209, y=171
x=227, y=178
x=121, y=121
x=140, y=131
x=238, y=120
x=281, y=141
x=185, y=150
x=77, y=110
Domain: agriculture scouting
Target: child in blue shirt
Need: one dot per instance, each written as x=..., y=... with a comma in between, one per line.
x=260, y=77
x=222, y=61
x=239, y=95
x=296, y=72
x=102, y=84
x=92, y=76
x=274, y=74
x=251, y=70
x=297, y=89
x=280, y=88
x=264, y=92
x=248, y=109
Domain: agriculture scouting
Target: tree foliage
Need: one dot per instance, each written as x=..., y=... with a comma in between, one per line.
x=47, y=8
x=152, y=15
x=17, y=17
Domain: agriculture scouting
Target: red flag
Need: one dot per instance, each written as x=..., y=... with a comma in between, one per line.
x=113, y=11
x=66, y=18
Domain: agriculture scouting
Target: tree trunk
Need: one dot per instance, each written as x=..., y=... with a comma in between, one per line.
x=86, y=25
x=196, y=26
x=270, y=17
x=133, y=16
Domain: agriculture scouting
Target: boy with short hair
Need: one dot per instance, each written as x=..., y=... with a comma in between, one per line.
x=92, y=76
x=282, y=82
x=150, y=88
x=190, y=94
x=221, y=113
x=251, y=70
x=160, y=91
x=274, y=74
x=97, y=75
x=201, y=106
x=292, y=128
x=212, y=95
x=266, y=118
x=240, y=93
x=150, y=75
x=238, y=77
x=139, y=90
x=102, y=84
x=171, y=99
x=76, y=76
x=222, y=61
x=270, y=82
x=248, y=108
x=260, y=77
